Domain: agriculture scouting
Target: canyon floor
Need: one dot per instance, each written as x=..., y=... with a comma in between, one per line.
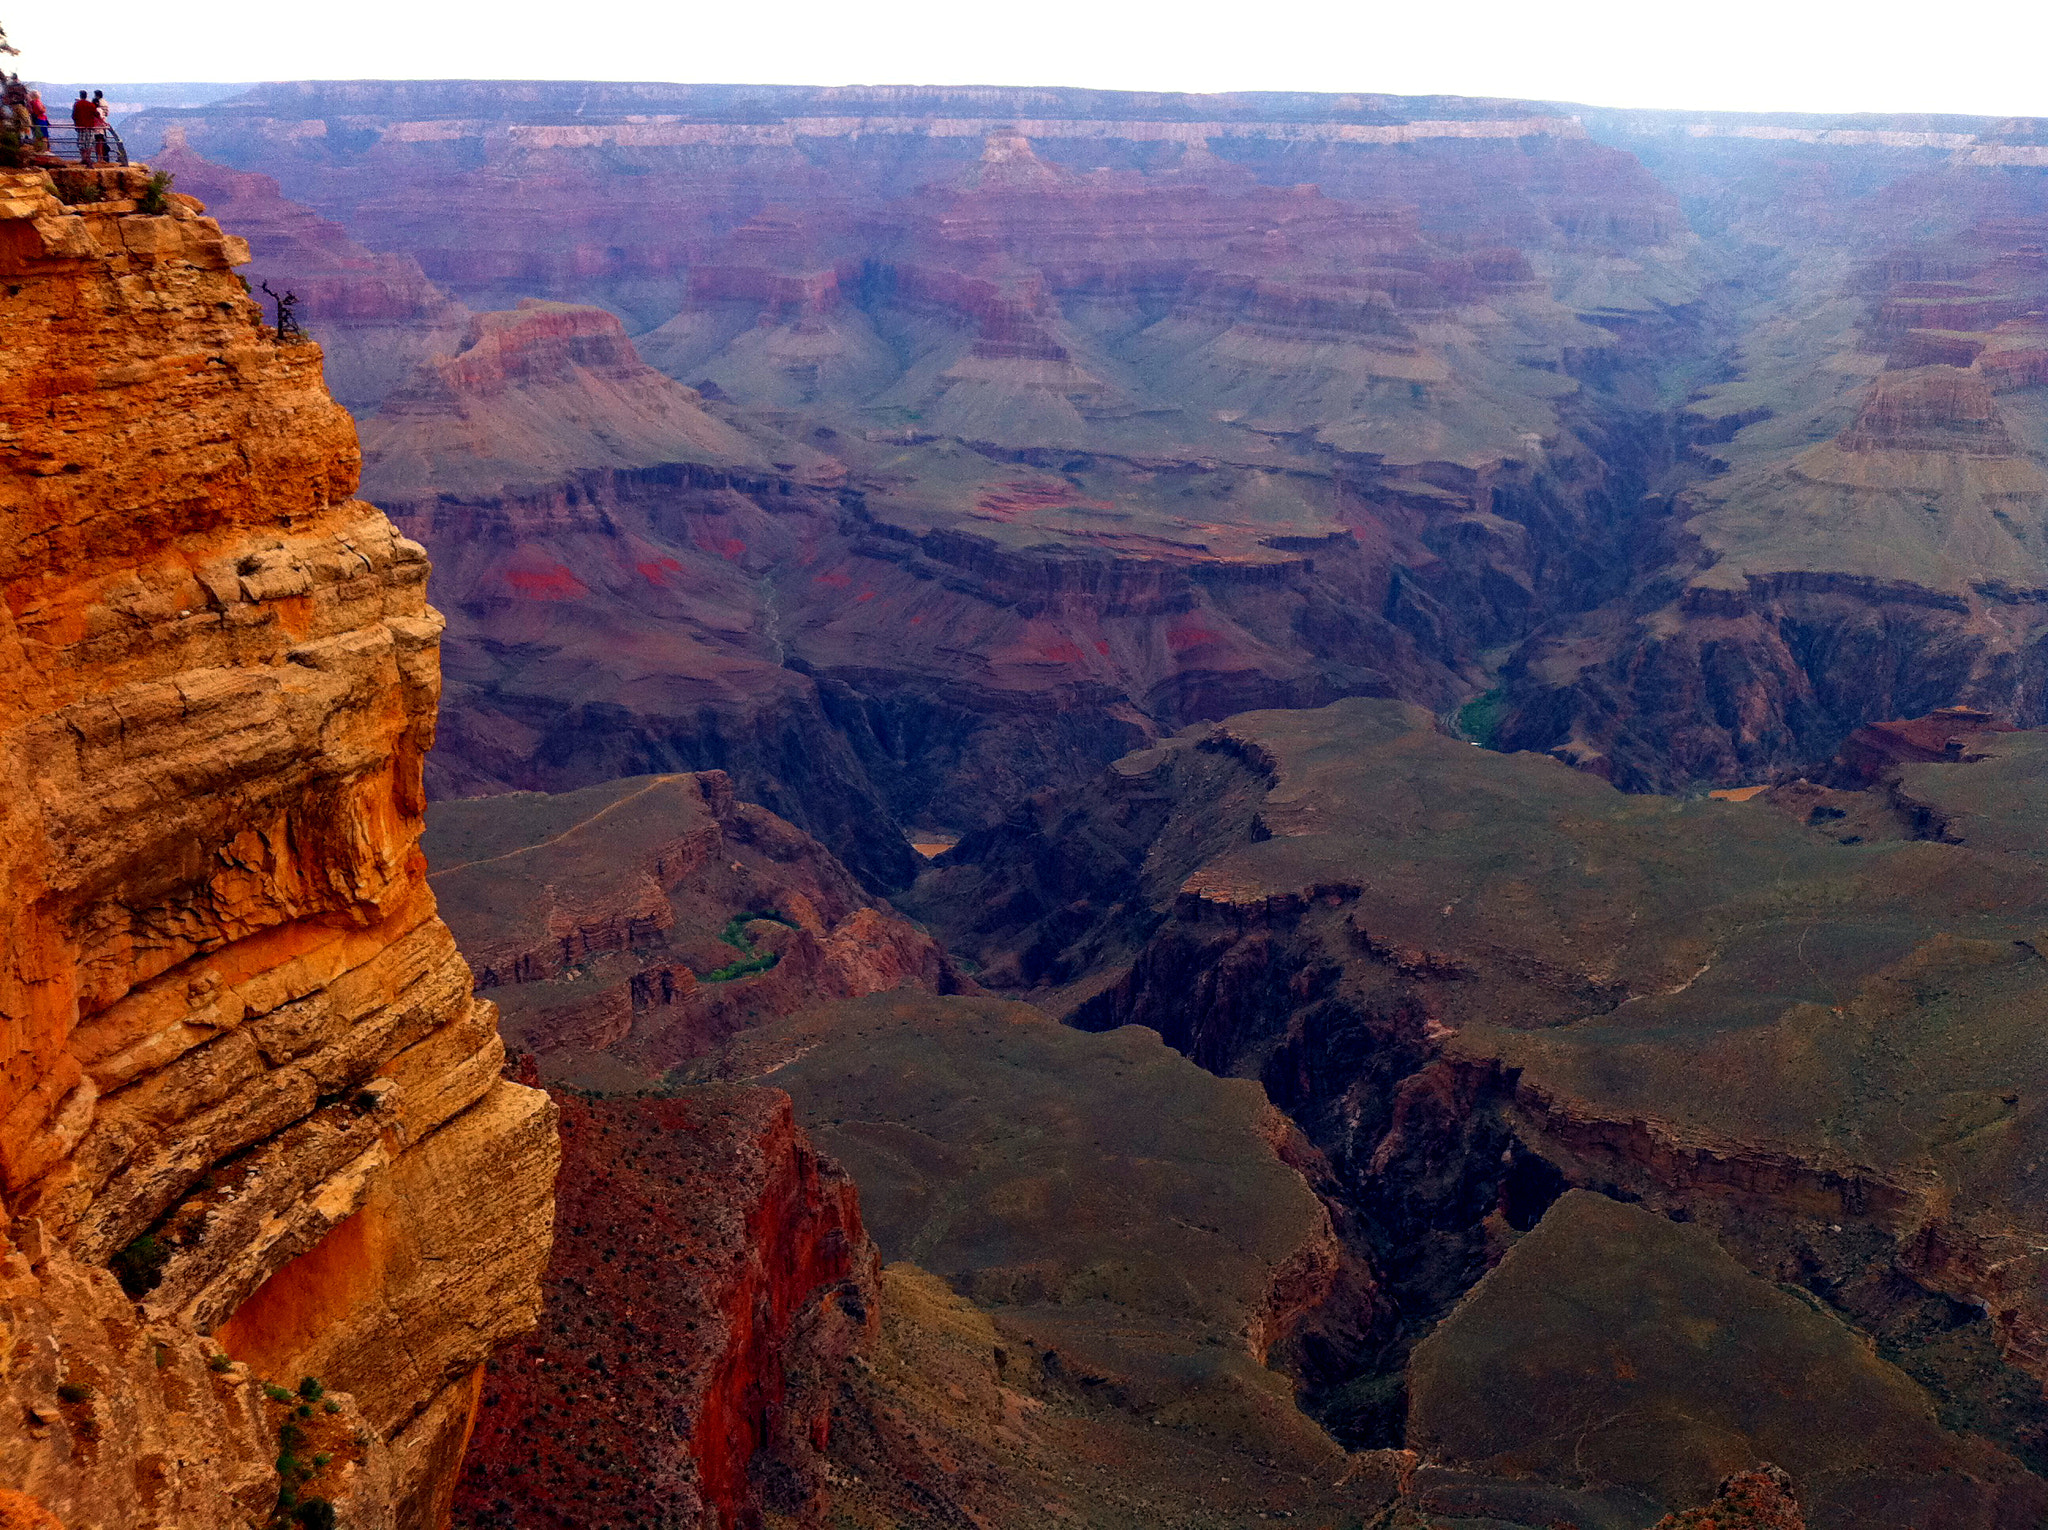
x=1520, y=1150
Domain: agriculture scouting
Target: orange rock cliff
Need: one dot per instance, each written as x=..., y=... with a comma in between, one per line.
x=242, y=1076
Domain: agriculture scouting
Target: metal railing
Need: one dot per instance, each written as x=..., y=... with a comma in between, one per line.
x=84, y=146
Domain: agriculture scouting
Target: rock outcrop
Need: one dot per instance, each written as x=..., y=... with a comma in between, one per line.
x=529, y=400
x=243, y=1067
x=710, y=1287
x=376, y=317
x=626, y=929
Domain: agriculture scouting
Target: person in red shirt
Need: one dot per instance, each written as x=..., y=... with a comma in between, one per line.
x=83, y=115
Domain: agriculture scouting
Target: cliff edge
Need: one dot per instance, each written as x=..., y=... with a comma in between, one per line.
x=252, y=1123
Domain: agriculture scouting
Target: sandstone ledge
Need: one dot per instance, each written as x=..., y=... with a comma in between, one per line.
x=241, y=1060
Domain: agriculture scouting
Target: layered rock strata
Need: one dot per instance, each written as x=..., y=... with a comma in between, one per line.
x=1061, y=432
x=625, y=929
x=427, y=166
x=243, y=1065
x=1697, y=495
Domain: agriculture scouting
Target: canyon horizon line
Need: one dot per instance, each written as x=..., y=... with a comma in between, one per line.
x=1125, y=808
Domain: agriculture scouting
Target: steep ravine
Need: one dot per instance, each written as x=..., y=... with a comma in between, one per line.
x=1855, y=530
x=1478, y=981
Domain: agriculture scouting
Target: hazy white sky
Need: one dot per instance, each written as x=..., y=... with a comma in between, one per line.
x=1989, y=57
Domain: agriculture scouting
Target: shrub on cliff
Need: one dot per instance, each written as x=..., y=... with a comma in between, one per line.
x=140, y=1266
x=740, y=969
x=155, y=197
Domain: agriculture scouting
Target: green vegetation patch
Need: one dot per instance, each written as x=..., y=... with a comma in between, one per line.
x=296, y=1507
x=155, y=198
x=752, y=961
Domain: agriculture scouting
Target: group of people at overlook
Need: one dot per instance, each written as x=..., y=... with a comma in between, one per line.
x=30, y=120
x=23, y=112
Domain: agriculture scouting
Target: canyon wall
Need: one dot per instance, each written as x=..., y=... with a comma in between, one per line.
x=1001, y=432
x=712, y=1289
x=1853, y=528
x=243, y=1068
x=614, y=183
x=1602, y=416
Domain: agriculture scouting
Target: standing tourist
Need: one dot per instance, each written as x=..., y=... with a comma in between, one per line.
x=39, y=115
x=16, y=113
x=83, y=115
